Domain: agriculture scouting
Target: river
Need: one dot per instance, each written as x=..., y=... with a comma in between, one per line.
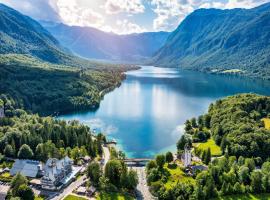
x=147, y=112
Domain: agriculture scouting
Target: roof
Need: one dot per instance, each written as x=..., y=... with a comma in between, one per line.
x=27, y=168
x=35, y=181
x=54, y=167
x=199, y=167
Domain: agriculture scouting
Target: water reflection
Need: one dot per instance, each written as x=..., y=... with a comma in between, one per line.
x=146, y=114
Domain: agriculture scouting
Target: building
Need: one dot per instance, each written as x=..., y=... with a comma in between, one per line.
x=3, y=191
x=28, y=168
x=55, y=173
x=186, y=156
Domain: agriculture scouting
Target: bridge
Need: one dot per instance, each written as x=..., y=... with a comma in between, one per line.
x=136, y=161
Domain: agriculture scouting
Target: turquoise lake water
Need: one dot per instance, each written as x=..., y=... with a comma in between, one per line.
x=146, y=113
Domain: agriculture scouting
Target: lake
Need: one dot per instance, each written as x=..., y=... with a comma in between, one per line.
x=147, y=112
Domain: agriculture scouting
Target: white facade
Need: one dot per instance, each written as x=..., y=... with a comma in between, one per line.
x=55, y=171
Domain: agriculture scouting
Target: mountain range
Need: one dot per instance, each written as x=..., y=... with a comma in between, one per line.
x=213, y=40
x=92, y=43
x=20, y=34
x=208, y=40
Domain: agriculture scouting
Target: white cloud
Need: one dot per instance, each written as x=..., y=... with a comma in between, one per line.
x=170, y=13
x=128, y=6
x=126, y=27
x=72, y=13
x=244, y=3
x=103, y=14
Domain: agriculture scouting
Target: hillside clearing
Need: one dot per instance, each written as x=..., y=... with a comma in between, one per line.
x=215, y=149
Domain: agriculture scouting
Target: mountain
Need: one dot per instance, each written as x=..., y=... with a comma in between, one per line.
x=22, y=35
x=214, y=40
x=89, y=42
x=42, y=76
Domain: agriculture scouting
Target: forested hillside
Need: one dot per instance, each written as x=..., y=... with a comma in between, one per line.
x=41, y=76
x=92, y=43
x=46, y=88
x=221, y=41
x=23, y=35
x=236, y=124
x=32, y=137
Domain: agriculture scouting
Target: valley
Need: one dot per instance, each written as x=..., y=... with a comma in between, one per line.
x=98, y=103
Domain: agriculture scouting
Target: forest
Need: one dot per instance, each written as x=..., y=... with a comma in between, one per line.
x=236, y=124
x=29, y=136
x=50, y=89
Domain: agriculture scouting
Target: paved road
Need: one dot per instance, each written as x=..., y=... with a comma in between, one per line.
x=63, y=193
x=142, y=188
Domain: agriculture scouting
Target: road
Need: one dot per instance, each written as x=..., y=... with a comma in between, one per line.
x=63, y=193
x=142, y=188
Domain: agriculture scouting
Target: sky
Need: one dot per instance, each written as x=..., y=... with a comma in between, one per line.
x=122, y=16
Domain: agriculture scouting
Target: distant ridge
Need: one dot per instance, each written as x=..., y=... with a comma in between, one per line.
x=92, y=43
x=221, y=41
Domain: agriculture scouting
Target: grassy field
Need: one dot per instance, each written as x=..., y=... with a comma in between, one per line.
x=246, y=197
x=73, y=197
x=266, y=123
x=177, y=176
x=215, y=150
x=113, y=196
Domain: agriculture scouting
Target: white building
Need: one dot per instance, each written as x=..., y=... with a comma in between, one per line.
x=186, y=157
x=55, y=172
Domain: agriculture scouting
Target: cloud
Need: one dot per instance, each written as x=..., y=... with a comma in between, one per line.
x=72, y=13
x=125, y=27
x=170, y=13
x=128, y=6
x=244, y=3
x=37, y=9
x=119, y=15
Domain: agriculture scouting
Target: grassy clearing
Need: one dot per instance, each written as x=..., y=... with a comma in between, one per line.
x=215, y=149
x=73, y=197
x=246, y=197
x=6, y=175
x=38, y=198
x=266, y=123
x=176, y=176
x=114, y=196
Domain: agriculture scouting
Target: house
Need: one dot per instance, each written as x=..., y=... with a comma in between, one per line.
x=28, y=168
x=55, y=172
